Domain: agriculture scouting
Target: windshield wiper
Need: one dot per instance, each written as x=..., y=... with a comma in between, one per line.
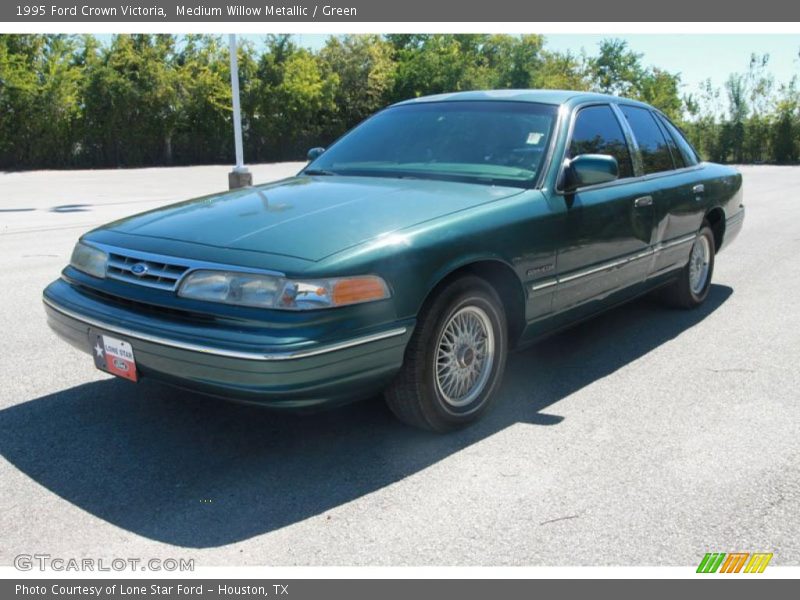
x=319, y=172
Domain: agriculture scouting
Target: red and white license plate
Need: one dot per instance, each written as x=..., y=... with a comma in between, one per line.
x=113, y=355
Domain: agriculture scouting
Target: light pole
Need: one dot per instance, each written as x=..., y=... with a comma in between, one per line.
x=240, y=176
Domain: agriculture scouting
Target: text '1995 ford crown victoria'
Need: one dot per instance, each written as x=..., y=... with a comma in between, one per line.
x=408, y=257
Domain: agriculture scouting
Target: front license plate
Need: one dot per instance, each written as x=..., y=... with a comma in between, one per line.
x=113, y=355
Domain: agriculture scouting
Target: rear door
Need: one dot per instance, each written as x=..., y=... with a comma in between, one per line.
x=675, y=186
x=607, y=228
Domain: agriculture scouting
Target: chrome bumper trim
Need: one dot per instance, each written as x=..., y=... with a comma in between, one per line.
x=273, y=356
x=739, y=216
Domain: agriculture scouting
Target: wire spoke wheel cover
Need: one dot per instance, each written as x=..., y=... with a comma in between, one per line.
x=699, y=264
x=464, y=356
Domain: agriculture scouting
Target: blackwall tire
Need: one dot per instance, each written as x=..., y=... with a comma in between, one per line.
x=691, y=288
x=455, y=359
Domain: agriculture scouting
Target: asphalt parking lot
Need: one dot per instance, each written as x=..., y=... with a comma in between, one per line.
x=647, y=436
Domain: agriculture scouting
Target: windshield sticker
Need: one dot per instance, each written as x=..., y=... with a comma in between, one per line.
x=534, y=137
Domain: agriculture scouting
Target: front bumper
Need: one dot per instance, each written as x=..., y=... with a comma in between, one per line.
x=191, y=355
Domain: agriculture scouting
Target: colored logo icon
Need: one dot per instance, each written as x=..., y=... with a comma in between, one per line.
x=734, y=562
x=140, y=269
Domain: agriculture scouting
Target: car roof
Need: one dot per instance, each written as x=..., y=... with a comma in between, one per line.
x=556, y=97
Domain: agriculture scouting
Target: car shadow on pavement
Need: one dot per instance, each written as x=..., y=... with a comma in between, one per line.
x=196, y=472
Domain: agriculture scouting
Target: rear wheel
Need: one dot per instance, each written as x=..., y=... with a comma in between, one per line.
x=455, y=359
x=691, y=287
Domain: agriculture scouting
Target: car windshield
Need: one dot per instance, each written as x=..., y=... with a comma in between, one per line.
x=501, y=143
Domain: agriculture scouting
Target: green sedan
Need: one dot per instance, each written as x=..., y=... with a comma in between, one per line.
x=408, y=258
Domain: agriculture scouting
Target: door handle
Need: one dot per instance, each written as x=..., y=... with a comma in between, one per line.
x=699, y=189
x=643, y=201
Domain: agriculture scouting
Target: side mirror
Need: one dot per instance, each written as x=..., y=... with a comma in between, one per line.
x=314, y=153
x=590, y=169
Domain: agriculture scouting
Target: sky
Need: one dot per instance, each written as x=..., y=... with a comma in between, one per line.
x=700, y=56
x=695, y=56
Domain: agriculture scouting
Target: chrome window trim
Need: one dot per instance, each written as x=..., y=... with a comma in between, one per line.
x=211, y=350
x=698, y=159
x=660, y=128
x=562, y=113
x=633, y=144
x=570, y=131
x=629, y=180
x=672, y=143
x=635, y=179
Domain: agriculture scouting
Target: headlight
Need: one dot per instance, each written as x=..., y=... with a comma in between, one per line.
x=89, y=259
x=267, y=291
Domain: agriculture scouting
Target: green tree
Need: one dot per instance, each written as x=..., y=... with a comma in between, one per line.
x=514, y=61
x=616, y=69
x=365, y=70
x=661, y=89
x=562, y=71
x=132, y=99
x=39, y=100
x=70, y=101
x=619, y=70
x=291, y=92
x=203, y=79
x=703, y=121
x=759, y=84
x=785, y=134
x=433, y=64
x=733, y=130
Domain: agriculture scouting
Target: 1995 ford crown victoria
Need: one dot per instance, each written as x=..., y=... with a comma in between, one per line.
x=407, y=258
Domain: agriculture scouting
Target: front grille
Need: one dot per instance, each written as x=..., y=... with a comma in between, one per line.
x=154, y=309
x=149, y=273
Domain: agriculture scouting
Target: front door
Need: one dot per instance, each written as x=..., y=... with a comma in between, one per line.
x=607, y=229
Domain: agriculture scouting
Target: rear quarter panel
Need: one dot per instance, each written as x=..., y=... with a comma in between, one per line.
x=725, y=189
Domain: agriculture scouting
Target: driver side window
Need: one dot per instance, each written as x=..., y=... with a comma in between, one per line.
x=597, y=131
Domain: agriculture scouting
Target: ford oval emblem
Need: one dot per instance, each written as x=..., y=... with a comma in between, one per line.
x=139, y=269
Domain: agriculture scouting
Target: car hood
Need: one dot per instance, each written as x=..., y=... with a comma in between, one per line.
x=309, y=217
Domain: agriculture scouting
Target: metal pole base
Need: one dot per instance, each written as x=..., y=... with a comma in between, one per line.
x=239, y=179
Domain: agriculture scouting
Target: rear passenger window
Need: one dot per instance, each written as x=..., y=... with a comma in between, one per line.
x=677, y=158
x=684, y=147
x=652, y=144
x=597, y=131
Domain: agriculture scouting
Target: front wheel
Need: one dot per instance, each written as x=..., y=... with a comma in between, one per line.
x=455, y=359
x=692, y=286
